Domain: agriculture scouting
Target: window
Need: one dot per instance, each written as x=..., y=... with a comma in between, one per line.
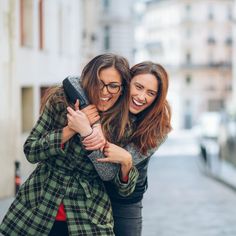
x=107, y=37
x=188, y=80
x=188, y=115
x=106, y=4
x=230, y=15
x=43, y=89
x=211, y=40
x=26, y=23
x=27, y=103
x=187, y=13
x=210, y=13
x=188, y=58
x=188, y=8
x=229, y=41
x=215, y=104
x=93, y=37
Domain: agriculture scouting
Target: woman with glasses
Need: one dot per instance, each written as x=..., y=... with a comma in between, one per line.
x=112, y=88
x=150, y=117
x=64, y=194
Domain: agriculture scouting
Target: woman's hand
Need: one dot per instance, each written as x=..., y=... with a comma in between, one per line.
x=96, y=140
x=116, y=154
x=78, y=121
x=92, y=113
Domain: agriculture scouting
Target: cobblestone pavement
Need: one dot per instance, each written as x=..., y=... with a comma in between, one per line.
x=181, y=201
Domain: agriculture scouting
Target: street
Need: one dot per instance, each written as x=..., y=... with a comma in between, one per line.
x=181, y=200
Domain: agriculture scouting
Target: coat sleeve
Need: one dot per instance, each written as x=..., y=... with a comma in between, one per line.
x=125, y=189
x=45, y=138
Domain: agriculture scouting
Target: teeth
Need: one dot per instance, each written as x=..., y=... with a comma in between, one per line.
x=137, y=103
x=104, y=99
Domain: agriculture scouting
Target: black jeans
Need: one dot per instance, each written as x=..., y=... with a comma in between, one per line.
x=59, y=228
x=127, y=219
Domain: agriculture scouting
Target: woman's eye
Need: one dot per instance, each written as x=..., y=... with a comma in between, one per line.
x=138, y=86
x=152, y=94
x=114, y=85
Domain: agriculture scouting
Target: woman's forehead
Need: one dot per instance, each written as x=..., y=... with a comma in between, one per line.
x=149, y=81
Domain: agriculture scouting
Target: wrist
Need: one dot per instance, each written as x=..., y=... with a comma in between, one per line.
x=125, y=179
x=67, y=133
x=127, y=161
x=86, y=134
x=97, y=123
x=126, y=165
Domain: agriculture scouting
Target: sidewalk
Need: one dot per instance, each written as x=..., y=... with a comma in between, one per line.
x=226, y=174
x=220, y=170
x=4, y=205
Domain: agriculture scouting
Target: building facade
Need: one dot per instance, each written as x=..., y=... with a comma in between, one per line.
x=117, y=27
x=40, y=44
x=193, y=40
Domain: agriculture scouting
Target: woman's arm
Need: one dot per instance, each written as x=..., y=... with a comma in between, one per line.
x=125, y=189
x=48, y=137
x=118, y=155
x=126, y=178
x=45, y=138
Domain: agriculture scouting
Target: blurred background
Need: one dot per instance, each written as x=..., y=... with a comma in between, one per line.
x=43, y=41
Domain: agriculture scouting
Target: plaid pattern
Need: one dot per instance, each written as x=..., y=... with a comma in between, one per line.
x=125, y=189
x=61, y=175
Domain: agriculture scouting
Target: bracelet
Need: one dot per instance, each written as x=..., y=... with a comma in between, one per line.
x=83, y=137
x=96, y=124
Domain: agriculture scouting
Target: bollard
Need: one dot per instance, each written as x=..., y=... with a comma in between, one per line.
x=17, y=176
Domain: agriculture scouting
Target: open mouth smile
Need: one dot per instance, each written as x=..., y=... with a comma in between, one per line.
x=137, y=103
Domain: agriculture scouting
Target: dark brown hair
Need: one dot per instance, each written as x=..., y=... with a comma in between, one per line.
x=153, y=124
x=115, y=120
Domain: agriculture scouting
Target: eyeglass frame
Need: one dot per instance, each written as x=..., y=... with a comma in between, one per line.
x=120, y=86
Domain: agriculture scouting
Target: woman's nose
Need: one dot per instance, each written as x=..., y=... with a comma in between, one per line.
x=104, y=90
x=141, y=96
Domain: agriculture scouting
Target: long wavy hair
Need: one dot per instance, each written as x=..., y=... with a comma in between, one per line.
x=116, y=119
x=152, y=124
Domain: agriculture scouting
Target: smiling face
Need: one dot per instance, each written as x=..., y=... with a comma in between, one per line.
x=110, y=80
x=143, y=91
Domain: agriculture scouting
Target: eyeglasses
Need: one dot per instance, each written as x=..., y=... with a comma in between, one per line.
x=112, y=88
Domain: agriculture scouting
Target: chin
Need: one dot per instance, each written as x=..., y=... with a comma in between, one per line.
x=135, y=111
x=103, y=108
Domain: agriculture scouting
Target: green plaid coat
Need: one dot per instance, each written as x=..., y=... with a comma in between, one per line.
x=62, y=175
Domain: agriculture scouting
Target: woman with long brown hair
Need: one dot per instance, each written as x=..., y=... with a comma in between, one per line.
x=64, y=194
x=150, y=116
